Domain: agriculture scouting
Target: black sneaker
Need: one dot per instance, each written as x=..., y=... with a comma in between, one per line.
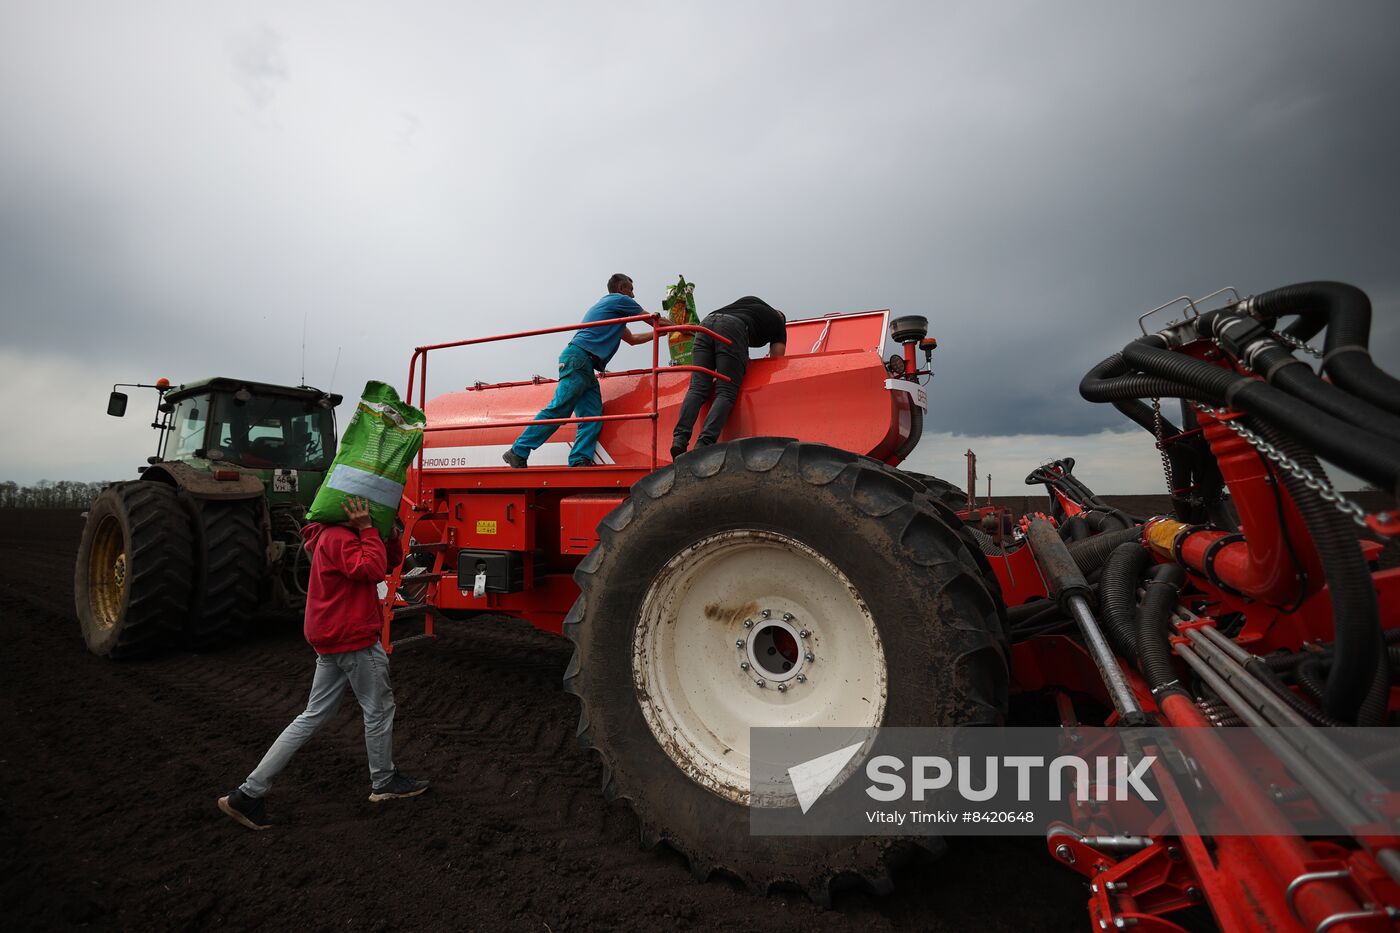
x=514, y=459
x=396, y=787
x=246, y=810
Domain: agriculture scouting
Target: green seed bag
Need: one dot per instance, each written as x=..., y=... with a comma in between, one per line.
x=679, y=307
x=381, y=440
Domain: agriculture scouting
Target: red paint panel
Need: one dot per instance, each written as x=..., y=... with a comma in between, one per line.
x=491, y=521
x=579, y=517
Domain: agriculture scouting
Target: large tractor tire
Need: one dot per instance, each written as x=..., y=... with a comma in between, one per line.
x=851, y=562
x=940, y=490
x=232, y=562
x=134, y=571
x=949, y=500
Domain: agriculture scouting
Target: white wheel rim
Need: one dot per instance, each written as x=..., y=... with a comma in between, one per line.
x=704, y=678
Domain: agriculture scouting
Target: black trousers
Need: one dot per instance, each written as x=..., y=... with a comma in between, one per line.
x=731, y=360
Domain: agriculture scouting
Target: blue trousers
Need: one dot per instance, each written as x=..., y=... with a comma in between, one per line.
x=576, y=394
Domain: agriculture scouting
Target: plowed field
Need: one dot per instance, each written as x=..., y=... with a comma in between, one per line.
x=109, y=774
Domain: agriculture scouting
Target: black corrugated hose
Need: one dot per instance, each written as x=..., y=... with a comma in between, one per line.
x=1358, y=689
x=1159, y=599
x=1346, y=313
x=1090, y=554
x=1118, y=596
x=1373, y=458
x=1247, y=339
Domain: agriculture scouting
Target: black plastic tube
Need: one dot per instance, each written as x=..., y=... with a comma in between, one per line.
x=1090, y=554
x=1373, y=458
x=1265, y=674
x=1296, y=378
x=1287, y=661
x=1311, y=676
x=1159, y=598
x=1100, y=520
x=1359, y=687
x=1118, y=596
x=1114, y=380
x=1015, y=615
x=1076, y=529
x=1346, y=312
x=1245, y=338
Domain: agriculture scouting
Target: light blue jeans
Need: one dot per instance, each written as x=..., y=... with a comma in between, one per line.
x=577, y=393
x=367, y=673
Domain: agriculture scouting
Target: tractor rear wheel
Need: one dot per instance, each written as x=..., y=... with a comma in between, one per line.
x=940, y=490
x=232, y=559
x=135, y=565
x=949, y=500
x=863, y=604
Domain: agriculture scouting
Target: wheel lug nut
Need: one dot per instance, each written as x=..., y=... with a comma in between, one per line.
x=803, y=634
x=787, y=616
x=765, y=613
x=810, y=656
x=743, y=665
x=802, y=678
x=782, y=688
x=738, y=643
x=748, y=623
x=760, y=682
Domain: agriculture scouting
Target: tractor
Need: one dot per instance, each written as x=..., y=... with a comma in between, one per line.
x=209, y=535
x=793, y=575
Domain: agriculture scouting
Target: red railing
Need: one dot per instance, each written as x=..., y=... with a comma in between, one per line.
x=657, y=330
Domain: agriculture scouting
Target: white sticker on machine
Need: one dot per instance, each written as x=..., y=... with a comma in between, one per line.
x=917, y=394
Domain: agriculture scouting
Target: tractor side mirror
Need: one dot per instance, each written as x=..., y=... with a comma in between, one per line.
x=116, y=404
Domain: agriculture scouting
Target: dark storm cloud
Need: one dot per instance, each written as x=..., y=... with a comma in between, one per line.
x=1032, y=177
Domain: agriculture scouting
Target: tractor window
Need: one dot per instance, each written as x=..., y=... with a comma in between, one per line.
x=187, y=428
x=268, y=432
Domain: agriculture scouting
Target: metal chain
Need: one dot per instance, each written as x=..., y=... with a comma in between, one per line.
x=1320, y=486
x=1161, y=444
x=1297, y=344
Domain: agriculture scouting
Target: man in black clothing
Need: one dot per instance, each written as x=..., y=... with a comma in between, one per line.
x=748, y=322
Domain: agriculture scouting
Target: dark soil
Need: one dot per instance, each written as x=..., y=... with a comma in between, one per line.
x=111, y=772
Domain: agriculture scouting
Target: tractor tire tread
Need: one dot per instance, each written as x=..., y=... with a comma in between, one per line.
x=978, y=659
x=232, y=555
x=159, y=542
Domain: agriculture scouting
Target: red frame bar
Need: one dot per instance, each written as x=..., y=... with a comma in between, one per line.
x=657, y=329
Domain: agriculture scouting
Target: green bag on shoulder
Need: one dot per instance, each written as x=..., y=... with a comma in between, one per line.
x=381, y=440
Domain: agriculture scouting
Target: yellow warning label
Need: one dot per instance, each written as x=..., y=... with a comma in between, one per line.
x=485, y=528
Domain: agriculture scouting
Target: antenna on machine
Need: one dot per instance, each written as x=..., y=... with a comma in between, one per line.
x=334, y=369
x=304, y=316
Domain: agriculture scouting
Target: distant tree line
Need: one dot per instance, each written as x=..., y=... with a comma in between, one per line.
x=49, y=494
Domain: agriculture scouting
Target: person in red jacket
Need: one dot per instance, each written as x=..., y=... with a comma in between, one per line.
x=343, y=624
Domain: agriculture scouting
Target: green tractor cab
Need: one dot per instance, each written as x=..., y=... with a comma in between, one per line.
x=210, y=535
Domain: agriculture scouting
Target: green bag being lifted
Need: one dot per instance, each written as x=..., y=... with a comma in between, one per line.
x=383, y=437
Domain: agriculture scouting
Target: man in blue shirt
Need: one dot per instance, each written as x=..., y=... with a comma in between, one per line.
x=578, y=392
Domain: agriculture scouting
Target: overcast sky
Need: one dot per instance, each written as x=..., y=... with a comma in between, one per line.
x=182, y=184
